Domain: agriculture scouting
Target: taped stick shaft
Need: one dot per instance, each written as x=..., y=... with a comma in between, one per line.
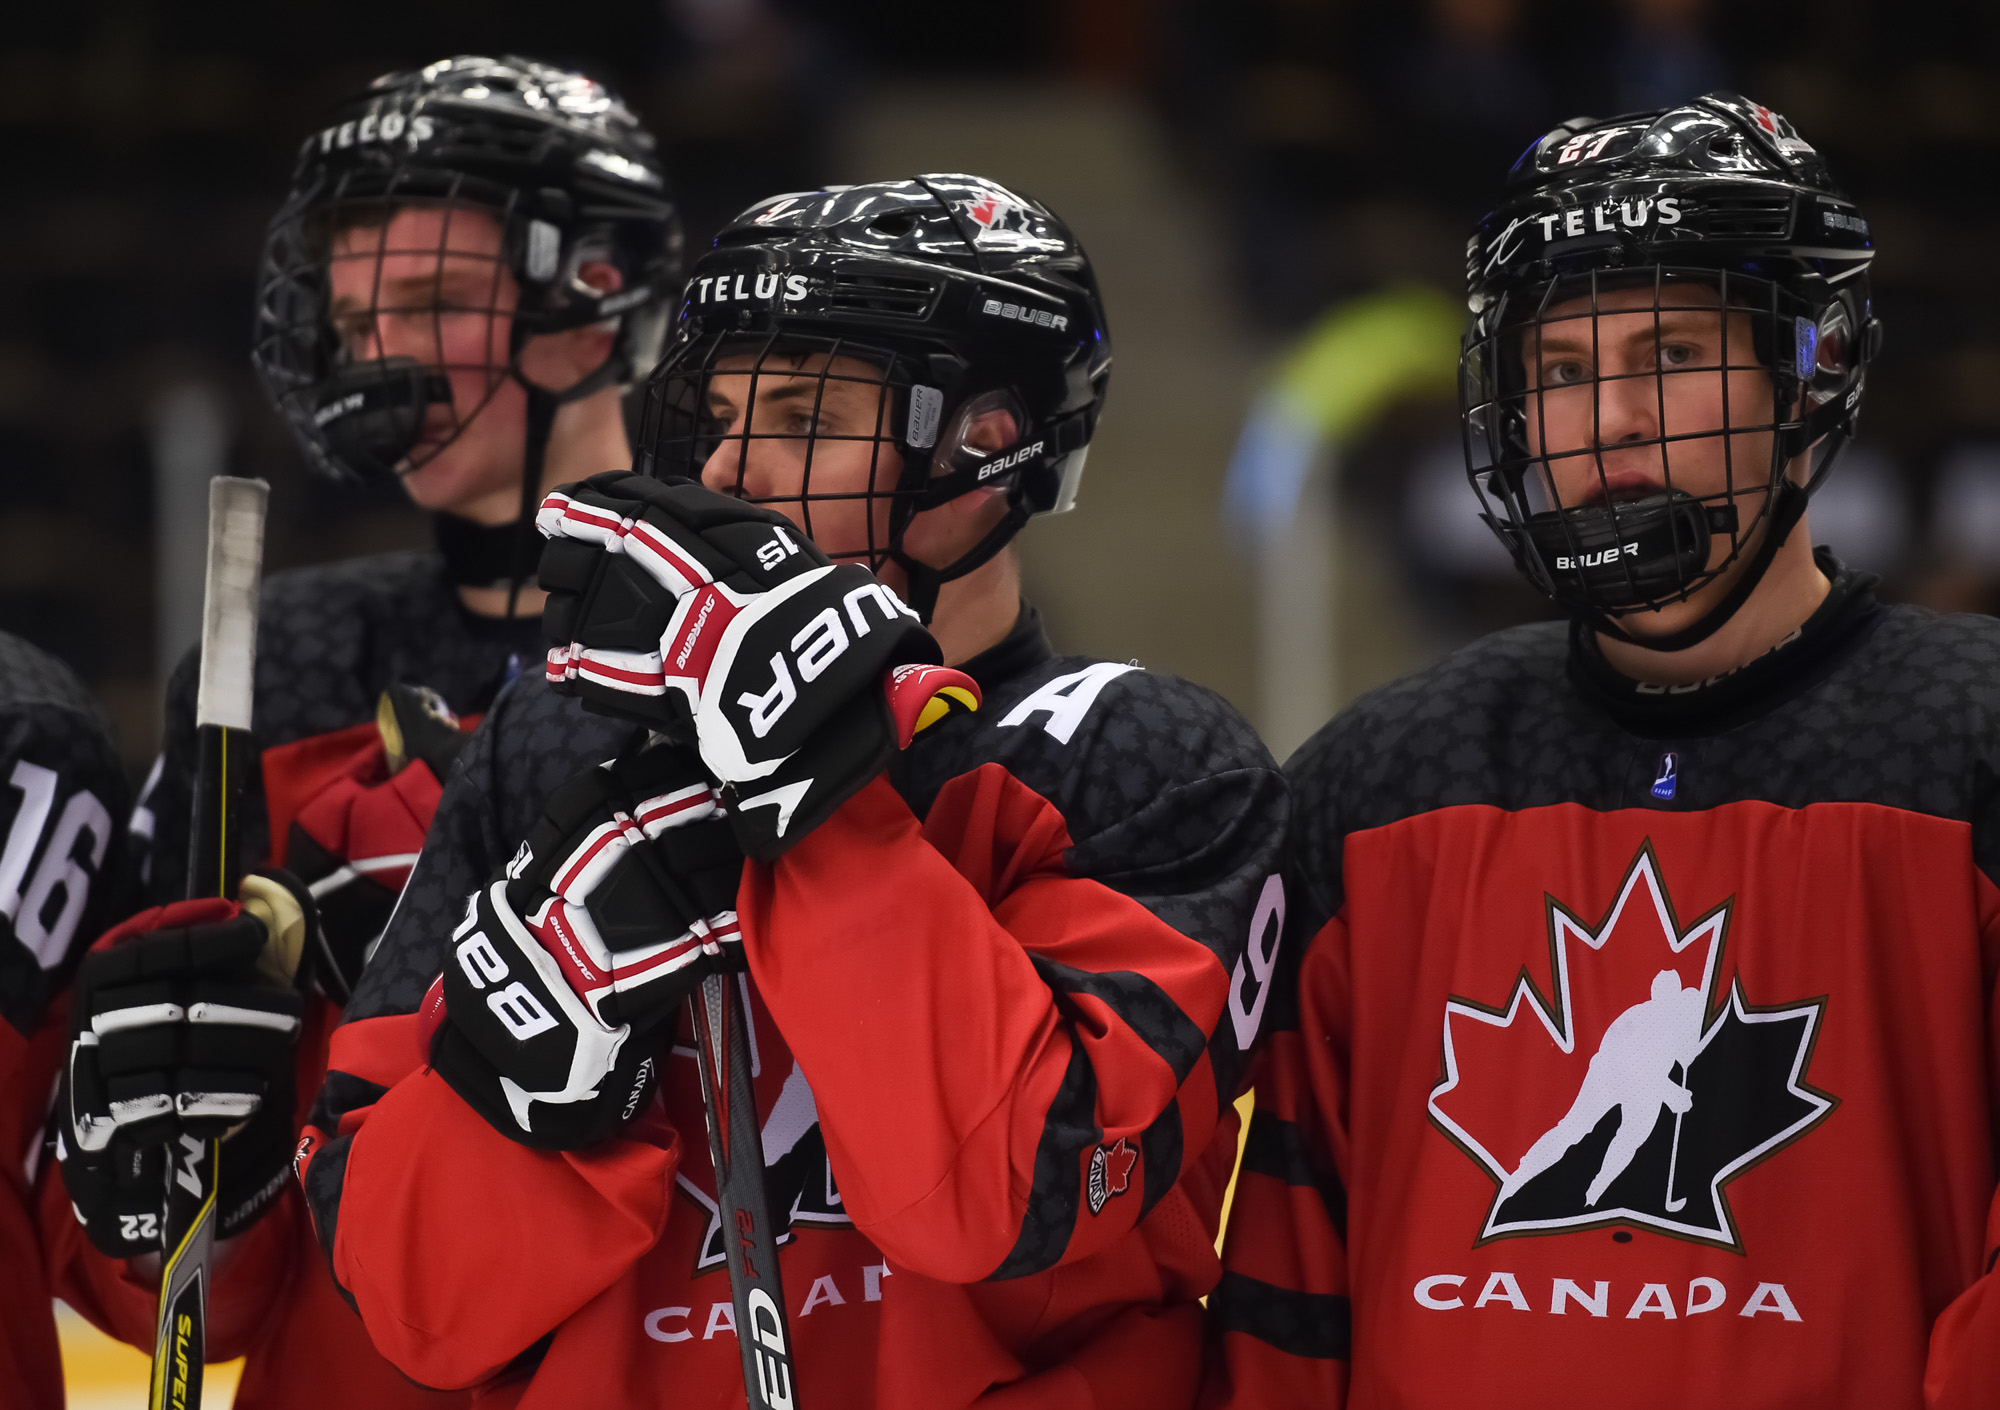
x=736, y=1147
x=236, y=511
x=224, y=755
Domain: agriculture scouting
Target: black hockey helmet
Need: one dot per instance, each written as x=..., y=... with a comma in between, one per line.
x=1718, y=204
x=569, y=175
x=951, y=295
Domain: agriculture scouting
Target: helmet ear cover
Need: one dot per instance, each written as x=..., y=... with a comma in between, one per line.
x=1028, y=466
x=1037, y=470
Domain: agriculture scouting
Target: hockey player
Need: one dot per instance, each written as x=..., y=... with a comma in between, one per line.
x=61, y=869
x=1643, y=1041
x=999, y=991
x=474, y=258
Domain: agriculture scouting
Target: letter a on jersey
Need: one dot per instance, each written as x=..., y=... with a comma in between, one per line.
x=1066, y=699
x=1637, y=1088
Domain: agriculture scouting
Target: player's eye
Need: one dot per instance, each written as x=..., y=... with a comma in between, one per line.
x=1565, y=373
x=716, y=419
x=355, y=330
x=1677, y=355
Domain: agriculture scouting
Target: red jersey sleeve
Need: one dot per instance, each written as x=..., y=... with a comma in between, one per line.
x=1008, y=1029
x=30, y=1359
x=1279, y=1320
x=121, y=1297
x=437, y=1210
x=1963, y=1371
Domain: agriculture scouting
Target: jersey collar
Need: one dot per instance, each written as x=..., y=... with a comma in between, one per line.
x=1839, y=623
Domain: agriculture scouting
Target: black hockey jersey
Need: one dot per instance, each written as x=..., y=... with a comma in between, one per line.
x=1001, y=1003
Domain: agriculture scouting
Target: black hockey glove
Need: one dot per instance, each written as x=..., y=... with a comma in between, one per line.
x=712, y=619
x=185, y=1027
x=572, y=961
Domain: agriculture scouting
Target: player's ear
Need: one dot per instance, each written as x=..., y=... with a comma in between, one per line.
x=560, y=360
x=992, y=430
x=601, y=276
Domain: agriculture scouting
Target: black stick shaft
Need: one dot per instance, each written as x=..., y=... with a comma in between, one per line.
x=214, y=860
x=736, y=1146
x=223, y=759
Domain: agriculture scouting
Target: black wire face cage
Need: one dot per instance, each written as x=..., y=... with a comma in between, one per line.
x=1616, y=446
x=830, y=431
x=387, y=313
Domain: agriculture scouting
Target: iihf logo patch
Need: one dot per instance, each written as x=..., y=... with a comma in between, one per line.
x=1638, y=1088
x=1110, y=1173
x=1669, y=778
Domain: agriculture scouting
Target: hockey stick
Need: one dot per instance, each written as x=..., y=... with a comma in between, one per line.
x=224, y=756
x=1674, y=1206
x=736, y=1147
x=918, y=697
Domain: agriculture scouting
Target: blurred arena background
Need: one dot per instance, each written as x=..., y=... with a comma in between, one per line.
x=1275, y=192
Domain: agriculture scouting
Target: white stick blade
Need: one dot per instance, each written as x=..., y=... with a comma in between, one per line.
x=229, y=604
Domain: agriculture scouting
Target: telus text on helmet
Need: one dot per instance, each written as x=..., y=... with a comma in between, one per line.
x=727, y=288
x=376, y=127
x=1606, y=217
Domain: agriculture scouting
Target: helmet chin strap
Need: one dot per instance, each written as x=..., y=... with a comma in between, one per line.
x=1788, y=508
x=543, y=405
x=926, y=581
x=542, y=408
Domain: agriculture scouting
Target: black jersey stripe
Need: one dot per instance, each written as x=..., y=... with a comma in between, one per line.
x=1314, y=1325
x=1276, y=1148
x=1160, y=1148
x=1069, y=1129
x=1140, y=1004
x=342, y=1093
x=324, y=1180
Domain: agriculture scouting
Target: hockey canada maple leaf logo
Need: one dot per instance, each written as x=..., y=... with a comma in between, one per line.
x=1110, y=1173
x=1632, y=1092
x=993, y=213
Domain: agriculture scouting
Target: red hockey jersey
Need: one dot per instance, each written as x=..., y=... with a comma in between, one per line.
x=1643, y=1048
x=331, y=639
x=1000, y=1002
x=62, y=867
